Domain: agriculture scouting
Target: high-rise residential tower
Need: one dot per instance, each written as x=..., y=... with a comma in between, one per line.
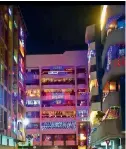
x=12, y=72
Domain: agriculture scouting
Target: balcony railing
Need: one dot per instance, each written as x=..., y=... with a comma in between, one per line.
x=47, y=143
x=70, y=143
x=59, y=143
x=107, y=130
x=117, y=69
x=112, y=99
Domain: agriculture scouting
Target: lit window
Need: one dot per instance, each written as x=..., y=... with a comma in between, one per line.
x=10, y=25
x=10, y=12
x=93, y=83
x=112, y=86
x=106, y=88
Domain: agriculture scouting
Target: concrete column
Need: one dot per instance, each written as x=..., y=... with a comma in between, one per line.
x=40, y=110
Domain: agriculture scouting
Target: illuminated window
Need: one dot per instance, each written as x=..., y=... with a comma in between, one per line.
x=33, y=93
x=106, y=88
x=21, y=47
x=32, y=103
x=10, y=25
x=93, y=83
x=33, y=126
x=112, y=86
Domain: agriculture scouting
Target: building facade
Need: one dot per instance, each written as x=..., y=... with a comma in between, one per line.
x=12, y=72
x=57, y=104
x=110, y=128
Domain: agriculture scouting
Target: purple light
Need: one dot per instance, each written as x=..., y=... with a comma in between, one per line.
x=10, y=12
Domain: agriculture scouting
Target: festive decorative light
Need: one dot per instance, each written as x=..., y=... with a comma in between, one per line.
x=114, y=52
x=103, y=16
x=10, y=12
x=58, y=125
x=111, y=19
x=33, y=92
x=82, y=137
x=25, y=121
x=91, y=54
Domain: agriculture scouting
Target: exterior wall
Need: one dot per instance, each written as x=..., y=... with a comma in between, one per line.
x=72, y=60
x=69, y=58
x=11, y=99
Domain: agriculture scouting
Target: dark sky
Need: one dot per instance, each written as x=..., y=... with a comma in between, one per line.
x=57, y=28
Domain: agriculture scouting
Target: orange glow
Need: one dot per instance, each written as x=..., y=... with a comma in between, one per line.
x=33, y=93
x=82, y=137
x=112, y=86
x=93, y=83
x=103, y=16
x=21, y=48
x=44, y=80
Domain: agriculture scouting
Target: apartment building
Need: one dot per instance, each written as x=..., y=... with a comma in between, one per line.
x=12, y=72
x=57, y=104
x=108, y=131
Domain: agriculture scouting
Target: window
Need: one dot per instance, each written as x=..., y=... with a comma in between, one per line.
x=93, y=83
x=112, y=86
x=46, y=137
x=33, y=93
x=82, y=113
x=32, y=103
x=34, y=114
x=33, y=126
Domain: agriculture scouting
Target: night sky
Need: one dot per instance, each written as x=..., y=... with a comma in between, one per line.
x=57, y=28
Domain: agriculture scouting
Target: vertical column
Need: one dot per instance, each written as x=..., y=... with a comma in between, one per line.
x=75, y=88
x=40, y=108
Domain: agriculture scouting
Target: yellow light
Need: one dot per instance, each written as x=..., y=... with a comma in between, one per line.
x=92, y=116
x=82, y=137
x=103, y=15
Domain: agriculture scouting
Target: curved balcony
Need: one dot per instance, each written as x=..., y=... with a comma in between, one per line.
x=117, y=69
x=112, y=99
x=117, y=36
x=107, y=130
x=115, y=10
